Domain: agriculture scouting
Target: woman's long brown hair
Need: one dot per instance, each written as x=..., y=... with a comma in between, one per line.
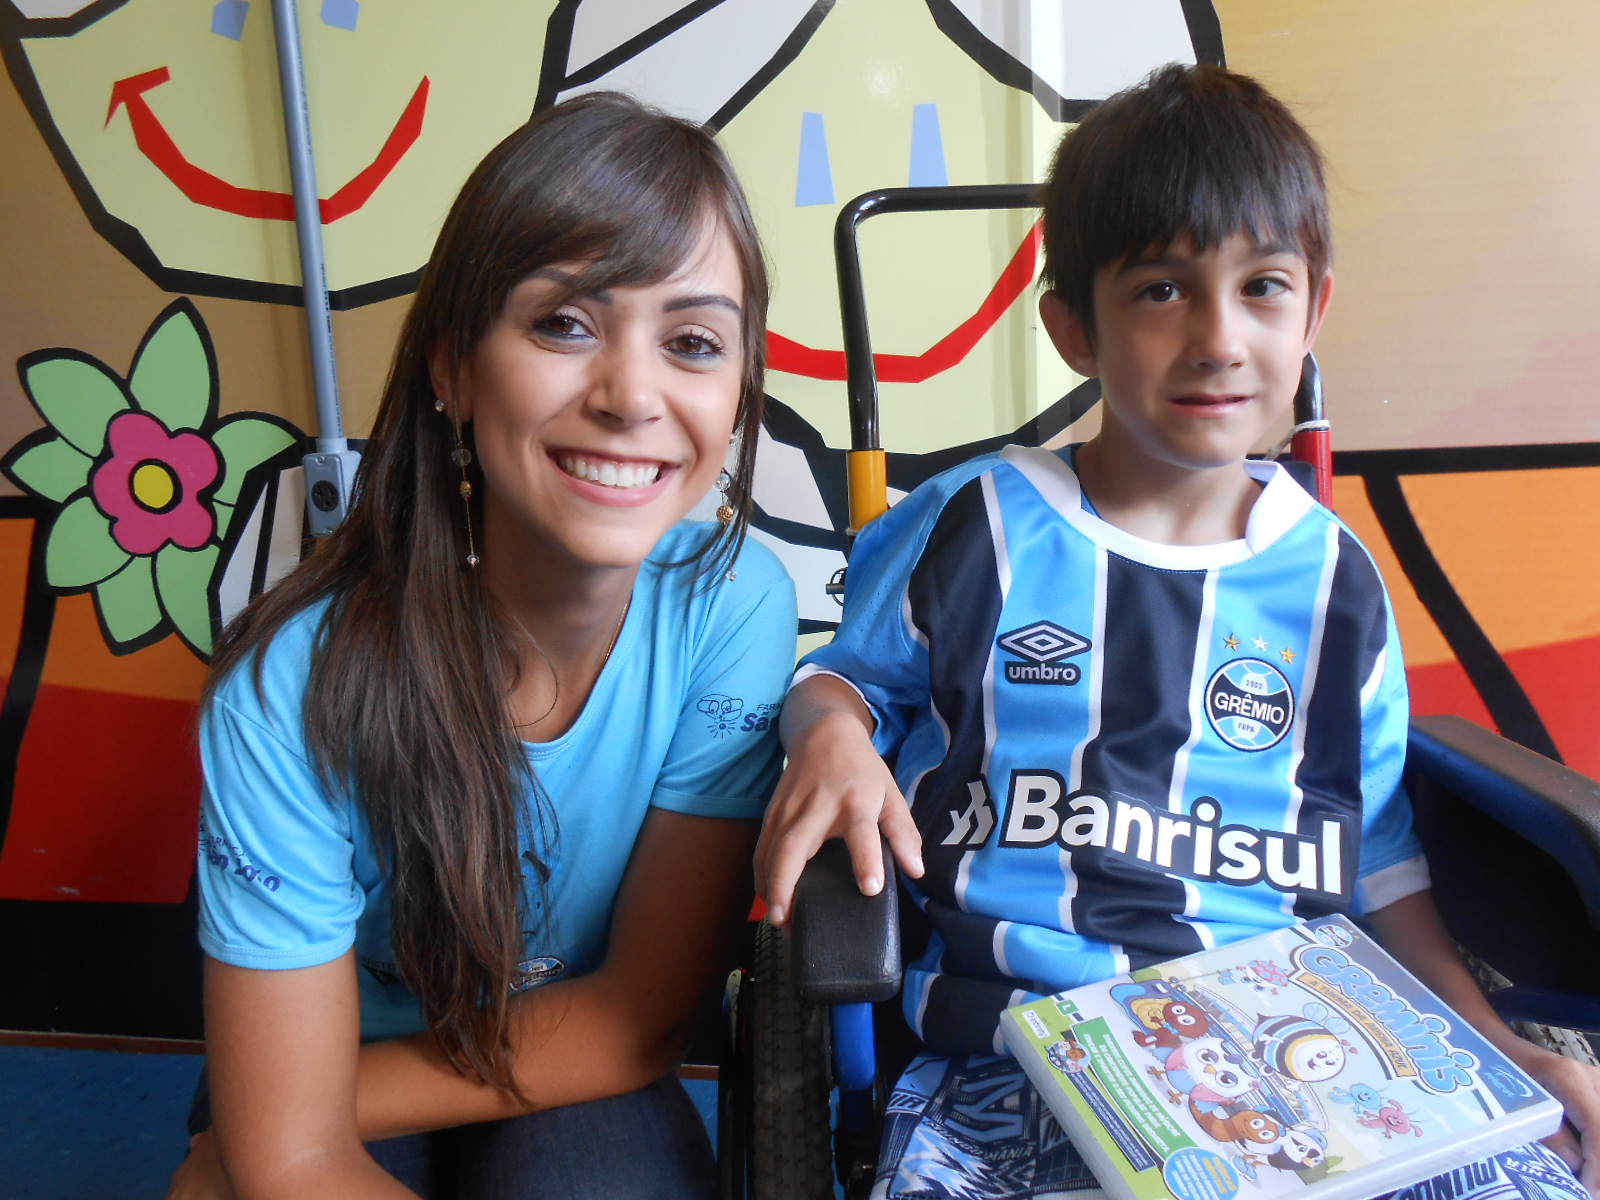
x=406, y=703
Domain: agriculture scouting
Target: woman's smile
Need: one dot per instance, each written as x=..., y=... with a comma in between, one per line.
x=609, y=472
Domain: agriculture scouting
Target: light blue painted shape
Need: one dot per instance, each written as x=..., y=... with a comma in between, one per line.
x=341, y=14
x=814, y=181
x=927, y=148
x=227, y=18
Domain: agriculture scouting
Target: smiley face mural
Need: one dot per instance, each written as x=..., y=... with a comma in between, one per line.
x=166, y=119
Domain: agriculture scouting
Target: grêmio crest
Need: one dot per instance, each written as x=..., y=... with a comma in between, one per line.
x=1250, y=704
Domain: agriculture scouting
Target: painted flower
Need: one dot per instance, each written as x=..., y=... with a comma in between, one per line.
x=147, y=478
x=150, y=486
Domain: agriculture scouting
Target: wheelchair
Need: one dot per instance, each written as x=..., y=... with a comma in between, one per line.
x=811, y=1042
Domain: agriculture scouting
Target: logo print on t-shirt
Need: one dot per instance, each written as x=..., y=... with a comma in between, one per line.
x=1250, y=704
x=534, y=972
x=1044, y=644
x=723, y=710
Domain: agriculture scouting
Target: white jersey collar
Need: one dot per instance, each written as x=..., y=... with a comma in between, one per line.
x=1281, y=504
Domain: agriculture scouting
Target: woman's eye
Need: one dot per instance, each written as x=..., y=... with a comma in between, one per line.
x=695, y=345
x=561, y=325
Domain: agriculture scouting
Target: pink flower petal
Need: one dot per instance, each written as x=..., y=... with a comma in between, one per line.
x=135, y=438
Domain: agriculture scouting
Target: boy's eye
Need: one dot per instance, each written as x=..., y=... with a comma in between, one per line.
x=1162, y=291
x=1265, y=286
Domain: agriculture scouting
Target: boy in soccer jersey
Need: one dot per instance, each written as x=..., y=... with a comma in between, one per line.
x=1143, y=695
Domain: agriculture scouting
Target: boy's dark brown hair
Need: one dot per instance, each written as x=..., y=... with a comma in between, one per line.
x=1198, y=152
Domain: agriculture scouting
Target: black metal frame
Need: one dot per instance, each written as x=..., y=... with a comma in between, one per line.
x=862, y=377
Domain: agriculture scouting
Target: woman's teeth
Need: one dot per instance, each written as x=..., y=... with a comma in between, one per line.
x=611, y=474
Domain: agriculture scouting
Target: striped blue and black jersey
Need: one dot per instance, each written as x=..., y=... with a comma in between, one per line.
x=1119, y=751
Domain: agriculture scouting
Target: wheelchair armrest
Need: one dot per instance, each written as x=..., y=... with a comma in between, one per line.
x=846, y=945
x=1551, y=806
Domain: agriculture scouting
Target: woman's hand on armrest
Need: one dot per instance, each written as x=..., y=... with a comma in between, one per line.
x=835, y=785
x=281, y=1068
x=684, y=898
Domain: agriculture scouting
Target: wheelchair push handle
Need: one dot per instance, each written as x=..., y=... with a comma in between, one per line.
x=865, y=467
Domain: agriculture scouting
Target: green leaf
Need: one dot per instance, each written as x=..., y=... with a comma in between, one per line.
x=52, y=469
x=245, y=442
x=223, y=515
x=183, y=581
x=127, y=602
x=78, y=397
x=81, y=550
x=172, y=378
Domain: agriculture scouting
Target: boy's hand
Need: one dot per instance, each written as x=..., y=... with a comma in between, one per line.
x=1411, y=929
x=835, y=786
x=1577, y=1086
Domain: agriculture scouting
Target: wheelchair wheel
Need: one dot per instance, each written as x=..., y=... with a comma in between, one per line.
x=791, y=1153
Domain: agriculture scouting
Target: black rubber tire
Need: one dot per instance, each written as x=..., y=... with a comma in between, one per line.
x=791, y=1153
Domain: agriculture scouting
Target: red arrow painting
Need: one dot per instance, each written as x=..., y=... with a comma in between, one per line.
x=204, y=188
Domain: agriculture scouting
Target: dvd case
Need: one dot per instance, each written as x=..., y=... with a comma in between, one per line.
x=1304, y=1062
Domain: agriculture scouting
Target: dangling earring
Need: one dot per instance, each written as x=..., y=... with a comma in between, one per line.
x=461, y=456
x=725, y=512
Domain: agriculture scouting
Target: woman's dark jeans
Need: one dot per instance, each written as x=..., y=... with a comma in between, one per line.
x=647, y=1145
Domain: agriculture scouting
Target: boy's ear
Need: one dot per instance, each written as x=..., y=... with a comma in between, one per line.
x=445, y=376
x=1068, y=335
x=1319, y=308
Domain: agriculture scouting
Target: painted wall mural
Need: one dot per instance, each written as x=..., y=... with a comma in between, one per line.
x=151, y=431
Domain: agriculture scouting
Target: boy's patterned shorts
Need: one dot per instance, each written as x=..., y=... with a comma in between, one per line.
x=974, y=1129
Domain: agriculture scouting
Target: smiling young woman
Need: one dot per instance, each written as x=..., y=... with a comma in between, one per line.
x=480, y=735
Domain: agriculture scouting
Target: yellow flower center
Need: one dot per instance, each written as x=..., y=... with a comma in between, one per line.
x=154, y=486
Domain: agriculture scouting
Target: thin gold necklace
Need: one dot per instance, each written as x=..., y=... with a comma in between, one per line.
x=617, y=632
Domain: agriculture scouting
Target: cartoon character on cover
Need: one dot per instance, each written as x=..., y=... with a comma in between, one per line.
x=1392, y=1119
x=1362, y=1097
x=1303, y=1148
x=1264, y=975
x=1246, y=1125
x=1205, y=1071
x=1067, y=1055
x=1162, y=1020
x=1169, y=1023
x=1298, y=1047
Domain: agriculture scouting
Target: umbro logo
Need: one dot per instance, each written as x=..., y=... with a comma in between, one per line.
x=1044, y=644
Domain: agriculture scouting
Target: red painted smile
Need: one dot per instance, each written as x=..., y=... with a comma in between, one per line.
x=796, y=359
x=205, y=189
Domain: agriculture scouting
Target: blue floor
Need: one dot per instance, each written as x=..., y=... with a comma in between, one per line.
x=91, y=1123
x=82, y=1124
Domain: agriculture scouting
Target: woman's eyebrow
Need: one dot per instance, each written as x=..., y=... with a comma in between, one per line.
x=569, y=282
x=709, y=300
x=704, y=300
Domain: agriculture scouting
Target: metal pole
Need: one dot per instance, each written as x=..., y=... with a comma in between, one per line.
x=330, y=471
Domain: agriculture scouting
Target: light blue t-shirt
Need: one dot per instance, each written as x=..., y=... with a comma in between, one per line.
x=682, y=717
